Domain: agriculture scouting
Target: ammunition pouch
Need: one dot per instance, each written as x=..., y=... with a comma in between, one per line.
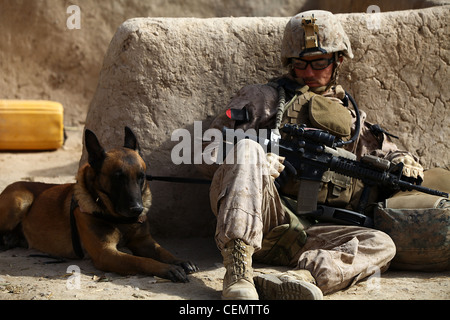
x=326, y=113
x=330, y=115
x=336, y=189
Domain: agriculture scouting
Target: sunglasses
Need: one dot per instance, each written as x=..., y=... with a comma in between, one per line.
x=318, y=64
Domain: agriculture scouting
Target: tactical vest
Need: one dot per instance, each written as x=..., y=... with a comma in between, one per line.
x=326, y=113
x=282, y=243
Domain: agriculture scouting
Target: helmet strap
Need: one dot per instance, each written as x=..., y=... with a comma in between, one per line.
x=337, y=67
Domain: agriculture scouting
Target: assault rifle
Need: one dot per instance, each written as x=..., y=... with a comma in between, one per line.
x=312, y=153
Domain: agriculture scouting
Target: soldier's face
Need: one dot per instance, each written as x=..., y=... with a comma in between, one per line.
x=316, y=78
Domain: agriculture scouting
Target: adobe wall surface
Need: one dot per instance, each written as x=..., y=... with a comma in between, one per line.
x=41, y=58
x=163, y=74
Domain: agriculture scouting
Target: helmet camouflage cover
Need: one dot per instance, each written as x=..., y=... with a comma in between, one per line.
x=312, y=33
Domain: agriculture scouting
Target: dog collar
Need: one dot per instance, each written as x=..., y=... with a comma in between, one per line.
x=76, y=243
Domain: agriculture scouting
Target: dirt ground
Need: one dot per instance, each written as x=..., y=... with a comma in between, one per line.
x=26, y=277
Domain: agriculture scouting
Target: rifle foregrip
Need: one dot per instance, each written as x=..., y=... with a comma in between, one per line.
x=354, y=169
x=357, y=170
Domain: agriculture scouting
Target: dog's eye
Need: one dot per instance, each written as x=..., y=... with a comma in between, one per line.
x=118, y=175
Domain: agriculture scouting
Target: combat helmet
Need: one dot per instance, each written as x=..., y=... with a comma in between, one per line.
x=314, y=32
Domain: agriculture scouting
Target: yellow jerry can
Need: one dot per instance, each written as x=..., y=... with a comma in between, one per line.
x=31, y=125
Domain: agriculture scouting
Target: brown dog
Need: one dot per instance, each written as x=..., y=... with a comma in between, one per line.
x=106, y=208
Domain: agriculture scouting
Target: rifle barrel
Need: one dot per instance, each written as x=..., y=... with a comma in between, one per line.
x=410, y=186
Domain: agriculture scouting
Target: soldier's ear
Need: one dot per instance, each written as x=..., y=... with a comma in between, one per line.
x=131, y=140
x=96, y=153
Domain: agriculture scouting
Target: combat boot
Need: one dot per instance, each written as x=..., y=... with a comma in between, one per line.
x=291, y=285
x=238, y=281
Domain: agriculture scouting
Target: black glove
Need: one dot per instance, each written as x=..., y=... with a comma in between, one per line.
x=286, y=175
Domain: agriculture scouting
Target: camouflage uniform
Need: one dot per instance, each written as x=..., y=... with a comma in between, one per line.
x=249, y=207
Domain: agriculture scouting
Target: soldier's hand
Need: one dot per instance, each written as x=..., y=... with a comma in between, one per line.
x=286, y=175
x=411, y=168
x=274, y=164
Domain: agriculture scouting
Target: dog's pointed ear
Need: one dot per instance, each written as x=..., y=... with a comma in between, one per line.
x=131, y=140
x=96, y=153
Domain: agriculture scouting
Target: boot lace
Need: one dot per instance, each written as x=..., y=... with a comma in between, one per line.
x=240, y=264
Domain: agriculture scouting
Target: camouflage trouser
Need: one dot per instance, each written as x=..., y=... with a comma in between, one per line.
x=339, y=256
x=248, y=207
x=244, y=198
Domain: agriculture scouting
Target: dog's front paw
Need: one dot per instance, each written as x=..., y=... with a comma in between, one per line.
x=175, y=274
x=188, y=266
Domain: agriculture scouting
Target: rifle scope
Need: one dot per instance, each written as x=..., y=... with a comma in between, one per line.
x=316, y=135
